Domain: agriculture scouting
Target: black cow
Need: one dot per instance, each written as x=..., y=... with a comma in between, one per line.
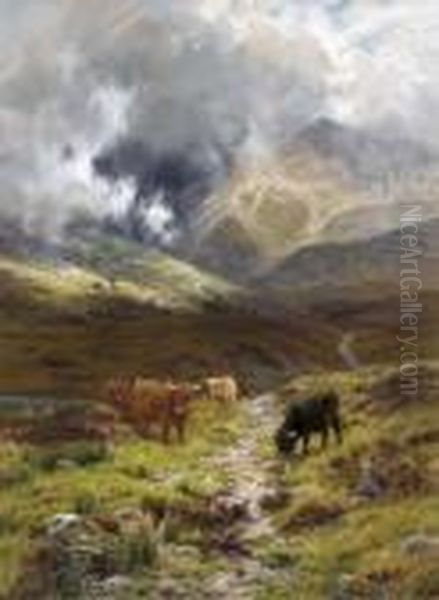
x=318, y=414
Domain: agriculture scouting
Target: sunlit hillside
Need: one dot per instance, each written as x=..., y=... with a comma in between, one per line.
x=268, y=210
x=68, y=327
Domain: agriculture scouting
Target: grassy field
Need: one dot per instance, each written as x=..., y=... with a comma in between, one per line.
x=333, y=538
x=83, y=477
x=344, y=539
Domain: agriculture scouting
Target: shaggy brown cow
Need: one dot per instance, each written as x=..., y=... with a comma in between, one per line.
x=147, y=403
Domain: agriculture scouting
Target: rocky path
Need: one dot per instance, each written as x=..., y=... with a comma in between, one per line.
x=244, y=569
x=248, y=472
x=253, y=481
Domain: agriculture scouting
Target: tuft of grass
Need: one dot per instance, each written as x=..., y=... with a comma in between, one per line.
x=312, y=509
x=86, y=503
x=13, y=549
x=81, y=453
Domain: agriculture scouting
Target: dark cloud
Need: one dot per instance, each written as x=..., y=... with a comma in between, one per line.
x=182, y=178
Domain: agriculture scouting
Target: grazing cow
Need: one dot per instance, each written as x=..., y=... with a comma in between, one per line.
x=147, y=403
x=222, y=389
x=318, y=414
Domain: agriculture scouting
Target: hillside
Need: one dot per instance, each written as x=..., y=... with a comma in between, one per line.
x=98, y=290
x=330, y=183
x=64, y=327
x=361, y=519
x=371, y=220
x=375, y=260
x=266, y=210
x=370, y=156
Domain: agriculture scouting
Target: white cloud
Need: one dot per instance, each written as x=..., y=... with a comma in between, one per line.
x=159, y=218
x=385, y=57
x=377, y=58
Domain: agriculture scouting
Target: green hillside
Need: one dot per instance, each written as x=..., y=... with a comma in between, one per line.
x=362, y=519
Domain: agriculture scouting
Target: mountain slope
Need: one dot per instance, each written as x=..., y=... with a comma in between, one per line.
x=362, y=519
x=329, y=183
x=266, y=211
x=67, y=329
x=355, y=262
x=369, y=156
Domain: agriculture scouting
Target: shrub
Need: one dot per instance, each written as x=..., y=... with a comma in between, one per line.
x=14, y=475
x=313, y=508
x=86, y=504
x=397, y=578
x=138, y=546
x=81, y=454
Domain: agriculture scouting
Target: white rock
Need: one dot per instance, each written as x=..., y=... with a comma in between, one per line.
x=61, y=522
x=116, y=584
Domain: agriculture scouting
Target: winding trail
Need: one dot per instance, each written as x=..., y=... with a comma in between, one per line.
x=249, y=472
x=346, y=350
x=252, y=479
x=245, y=568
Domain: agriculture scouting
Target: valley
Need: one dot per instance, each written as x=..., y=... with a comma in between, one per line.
x=221, y=516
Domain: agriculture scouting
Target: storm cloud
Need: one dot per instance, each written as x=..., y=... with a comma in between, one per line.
x=138, y=110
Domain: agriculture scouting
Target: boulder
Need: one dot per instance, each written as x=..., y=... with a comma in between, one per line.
x=60, y=523
x=275, y=499
x=370, y=485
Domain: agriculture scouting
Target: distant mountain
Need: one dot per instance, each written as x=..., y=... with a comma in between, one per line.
x=330, y=183
x=87, y=246
x=265, y=212
x=370, y=157
x=354, y=263
x=368, y=221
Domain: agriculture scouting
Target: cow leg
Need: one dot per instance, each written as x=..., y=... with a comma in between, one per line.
x=166, y=431
x=146, y=426
x=181, y=430
x=325, y=433
x=336, y=426
x=306, y=437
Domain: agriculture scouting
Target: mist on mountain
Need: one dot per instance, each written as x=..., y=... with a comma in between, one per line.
x=145, y=117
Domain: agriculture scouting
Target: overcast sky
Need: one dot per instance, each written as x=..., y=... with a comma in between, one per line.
x=199, y=73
